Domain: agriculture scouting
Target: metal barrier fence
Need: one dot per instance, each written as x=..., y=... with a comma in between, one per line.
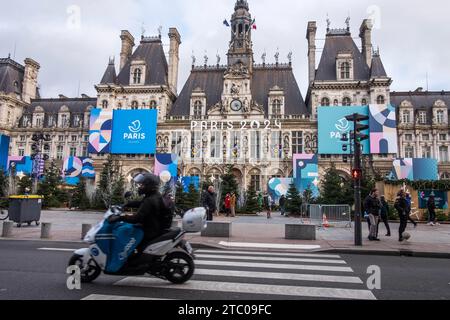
x=336, y=215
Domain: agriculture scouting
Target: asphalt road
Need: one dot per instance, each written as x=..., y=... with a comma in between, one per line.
x=27, y=273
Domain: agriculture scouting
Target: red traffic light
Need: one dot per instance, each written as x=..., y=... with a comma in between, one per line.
x=357, y=174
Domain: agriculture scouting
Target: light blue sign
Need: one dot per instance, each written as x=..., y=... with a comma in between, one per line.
x=4, y=150
x=134, y=131
x=332, y=126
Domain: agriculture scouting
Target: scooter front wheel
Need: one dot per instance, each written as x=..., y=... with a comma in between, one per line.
x=89, y=272
x=180, y=267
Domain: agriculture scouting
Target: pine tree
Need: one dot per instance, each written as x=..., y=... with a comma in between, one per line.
x=251, y=203
x=332, y=191
x=80, y=199
x=293, y=200
x=4, y=183
x=192, y=198
x=24, y=184
x=308, y=196
x=50, y=187
x=229, y=184
x=3, y=188
x=180, y=197
x=111, y=186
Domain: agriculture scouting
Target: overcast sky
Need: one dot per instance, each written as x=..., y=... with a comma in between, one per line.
x=72, y=40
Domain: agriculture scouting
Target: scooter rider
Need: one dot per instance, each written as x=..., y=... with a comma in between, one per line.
x=154, y=215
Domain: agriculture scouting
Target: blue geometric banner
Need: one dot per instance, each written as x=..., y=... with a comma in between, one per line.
x=4, y=151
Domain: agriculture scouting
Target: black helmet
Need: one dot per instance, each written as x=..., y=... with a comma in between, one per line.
x=149, y=183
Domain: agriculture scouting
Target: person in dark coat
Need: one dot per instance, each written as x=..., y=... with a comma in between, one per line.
x=283, y=204
x=384, y=216
x=431, y=206
x=372, y=206
x=210, y=203
x=401, y=205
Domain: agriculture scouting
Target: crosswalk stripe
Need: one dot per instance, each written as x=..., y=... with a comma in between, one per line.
x=273, y=266
x=229, y=257
x=278, y=276
x=314, y=292
x=56, y=249
x=278, y=254
x=269, y=245
x=103, y=297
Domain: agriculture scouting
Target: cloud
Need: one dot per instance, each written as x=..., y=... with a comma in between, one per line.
x=73, y=46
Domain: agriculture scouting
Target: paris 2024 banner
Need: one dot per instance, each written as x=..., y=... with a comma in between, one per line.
x=382, y=123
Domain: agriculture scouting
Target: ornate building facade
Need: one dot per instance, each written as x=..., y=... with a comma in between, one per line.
x=241, y=113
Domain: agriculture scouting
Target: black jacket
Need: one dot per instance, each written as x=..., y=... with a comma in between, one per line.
x=431, y=205
x=282, y=201
x=384, y=209
x=401, y=205
x=154, y=216
x=209, y=201
x=372, y=205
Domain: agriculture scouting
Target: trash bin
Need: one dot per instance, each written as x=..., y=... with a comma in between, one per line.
x=25, y=209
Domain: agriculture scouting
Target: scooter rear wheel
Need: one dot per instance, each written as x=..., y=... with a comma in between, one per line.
x=180, y=267
x=88, y=274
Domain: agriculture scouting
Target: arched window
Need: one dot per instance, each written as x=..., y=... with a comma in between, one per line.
x=134, y=105
x=325, y=102
x=346, y=102
x=105, y=104
x=364, y=102
x=241, y=28
x=336, y=102
x=198, y=106
x=445, y=176
x=137, y=76
x=345, y=70
x=276, y=107
x=380, y=100
x=153, y=104
x=440, y=117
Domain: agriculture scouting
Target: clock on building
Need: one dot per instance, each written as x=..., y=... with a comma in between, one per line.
x=236, y=105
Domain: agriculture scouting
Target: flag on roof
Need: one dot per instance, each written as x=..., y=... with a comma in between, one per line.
x=253, y=25
x=225, y=23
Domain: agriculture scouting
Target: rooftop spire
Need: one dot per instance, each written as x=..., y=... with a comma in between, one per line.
x=241, y=4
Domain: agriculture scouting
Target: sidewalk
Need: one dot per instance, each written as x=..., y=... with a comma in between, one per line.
x=425, y=240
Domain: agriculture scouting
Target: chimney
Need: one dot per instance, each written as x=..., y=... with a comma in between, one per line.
x=30, y=80
x=84, y=96
x=62, y=97
x=311, y=37
x=127, y=47
x=365, y=33
x=174, y=59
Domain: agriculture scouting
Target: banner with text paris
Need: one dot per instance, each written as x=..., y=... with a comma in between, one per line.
x=134, y=131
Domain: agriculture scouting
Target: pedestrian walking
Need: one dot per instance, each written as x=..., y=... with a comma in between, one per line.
x=209, y=202
x=372, y=204
x=268, y=205
x=283, y=204
x=401, y=205
x=431, y=206
x=409, y=209
x=260, y=202
x=233, y=201
x=384, y=216
x=227, y=204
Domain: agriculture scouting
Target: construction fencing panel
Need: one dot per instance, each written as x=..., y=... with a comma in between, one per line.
x=334, y=215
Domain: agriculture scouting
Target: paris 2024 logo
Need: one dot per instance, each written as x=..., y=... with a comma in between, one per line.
x=134, y=133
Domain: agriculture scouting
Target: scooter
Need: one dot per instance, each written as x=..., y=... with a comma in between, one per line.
x=112, y=252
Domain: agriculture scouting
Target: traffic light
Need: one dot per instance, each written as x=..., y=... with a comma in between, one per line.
x=357, y=174
x=359, y=127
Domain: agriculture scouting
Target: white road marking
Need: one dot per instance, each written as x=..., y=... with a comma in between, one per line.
x=57, y=249
x=278, y=276
x=269, y=245
x=118, y=298
x=273, y=266
x=276, y=259
x=251, y=288
x=267, y=253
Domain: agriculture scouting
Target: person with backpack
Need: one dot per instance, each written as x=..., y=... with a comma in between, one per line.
x=431, y=206
x=401, y=205
x=384, y=216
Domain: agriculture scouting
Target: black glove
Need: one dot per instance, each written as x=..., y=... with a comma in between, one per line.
x=114, y=219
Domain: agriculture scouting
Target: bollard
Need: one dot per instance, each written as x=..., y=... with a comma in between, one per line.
x=45, y=230
x=7, y=229
x=85, y=229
